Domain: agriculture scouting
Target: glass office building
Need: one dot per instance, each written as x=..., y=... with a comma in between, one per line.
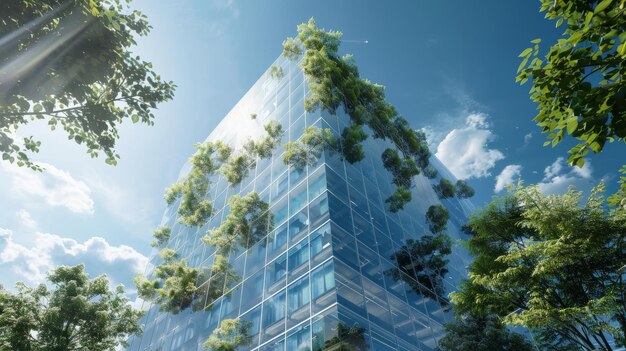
x=326, y=277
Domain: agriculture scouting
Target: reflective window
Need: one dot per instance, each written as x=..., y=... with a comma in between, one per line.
x=298, y=298
x=320, y=244
x=322, y=281
x=318, y=211
x=298, y=259
x=252, y=291
x=273, y=316
x=299, y=339
x=277, y=242
x=275, y=274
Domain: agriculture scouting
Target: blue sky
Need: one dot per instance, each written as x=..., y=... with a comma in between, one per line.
x=449, y=67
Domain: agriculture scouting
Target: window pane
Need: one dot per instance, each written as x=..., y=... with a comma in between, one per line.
x=273, y=316
x=275, y=274
x=298, y=298
x=298, y=259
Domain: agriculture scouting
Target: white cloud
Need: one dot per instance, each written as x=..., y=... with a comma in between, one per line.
x=125, y=204
x=47, y=251
x=508, y=175
x=559, y=176
x=527, y=138
x=26, y=219
x=464, y=151
x=54, y=186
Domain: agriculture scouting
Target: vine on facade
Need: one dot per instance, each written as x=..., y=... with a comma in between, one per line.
x=174, y=285
x=308, y=149
x=276, y=72
x=161, y=236
x=211, y=157
x=334, y=81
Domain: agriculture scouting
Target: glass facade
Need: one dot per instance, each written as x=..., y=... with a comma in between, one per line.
x=329, y=275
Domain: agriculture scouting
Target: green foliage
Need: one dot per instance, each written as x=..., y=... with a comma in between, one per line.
x=579, y=86
x=276, y=72
x=437, y=218
x=161, y=236
x=478, y=333
x=308, y=149
x=396, y=201
x=291, y=50
x=229, y=336
x=88, y=84
x=174, y=284
x=334, y=81
x=352, y=137
x=463, y=189
x=237, y=166
x=75, y=314
x=423, y=264
x=445, y=189
x=194, y=208
x=430, y=172
x=248, y=221
x=223, y=277
x=403, y=170
x=550, y=263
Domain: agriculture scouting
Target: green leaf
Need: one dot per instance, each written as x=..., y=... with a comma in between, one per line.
x=522, y=65
x=134, y=118
x=536, y=41
x=559, y=22
x=572, y=124
x=579, y=162
x=526, y=52
x=602, y=5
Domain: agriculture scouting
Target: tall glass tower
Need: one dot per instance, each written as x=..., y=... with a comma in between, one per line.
x=337, y=271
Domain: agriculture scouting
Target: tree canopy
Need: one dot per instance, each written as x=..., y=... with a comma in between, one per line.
x=578, y=85
x=551, y=263
x=75, y=314
x=69, y=63
x=481, y=333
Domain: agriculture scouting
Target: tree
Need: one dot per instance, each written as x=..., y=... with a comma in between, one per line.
x=478, y=333
x=463, y=189
x=76, y=314
x=437, y=218
x=579, y=86
x=552, y=263
x=445, y=189
x=69, y=63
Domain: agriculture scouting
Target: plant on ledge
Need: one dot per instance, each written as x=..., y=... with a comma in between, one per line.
x=231, y=335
